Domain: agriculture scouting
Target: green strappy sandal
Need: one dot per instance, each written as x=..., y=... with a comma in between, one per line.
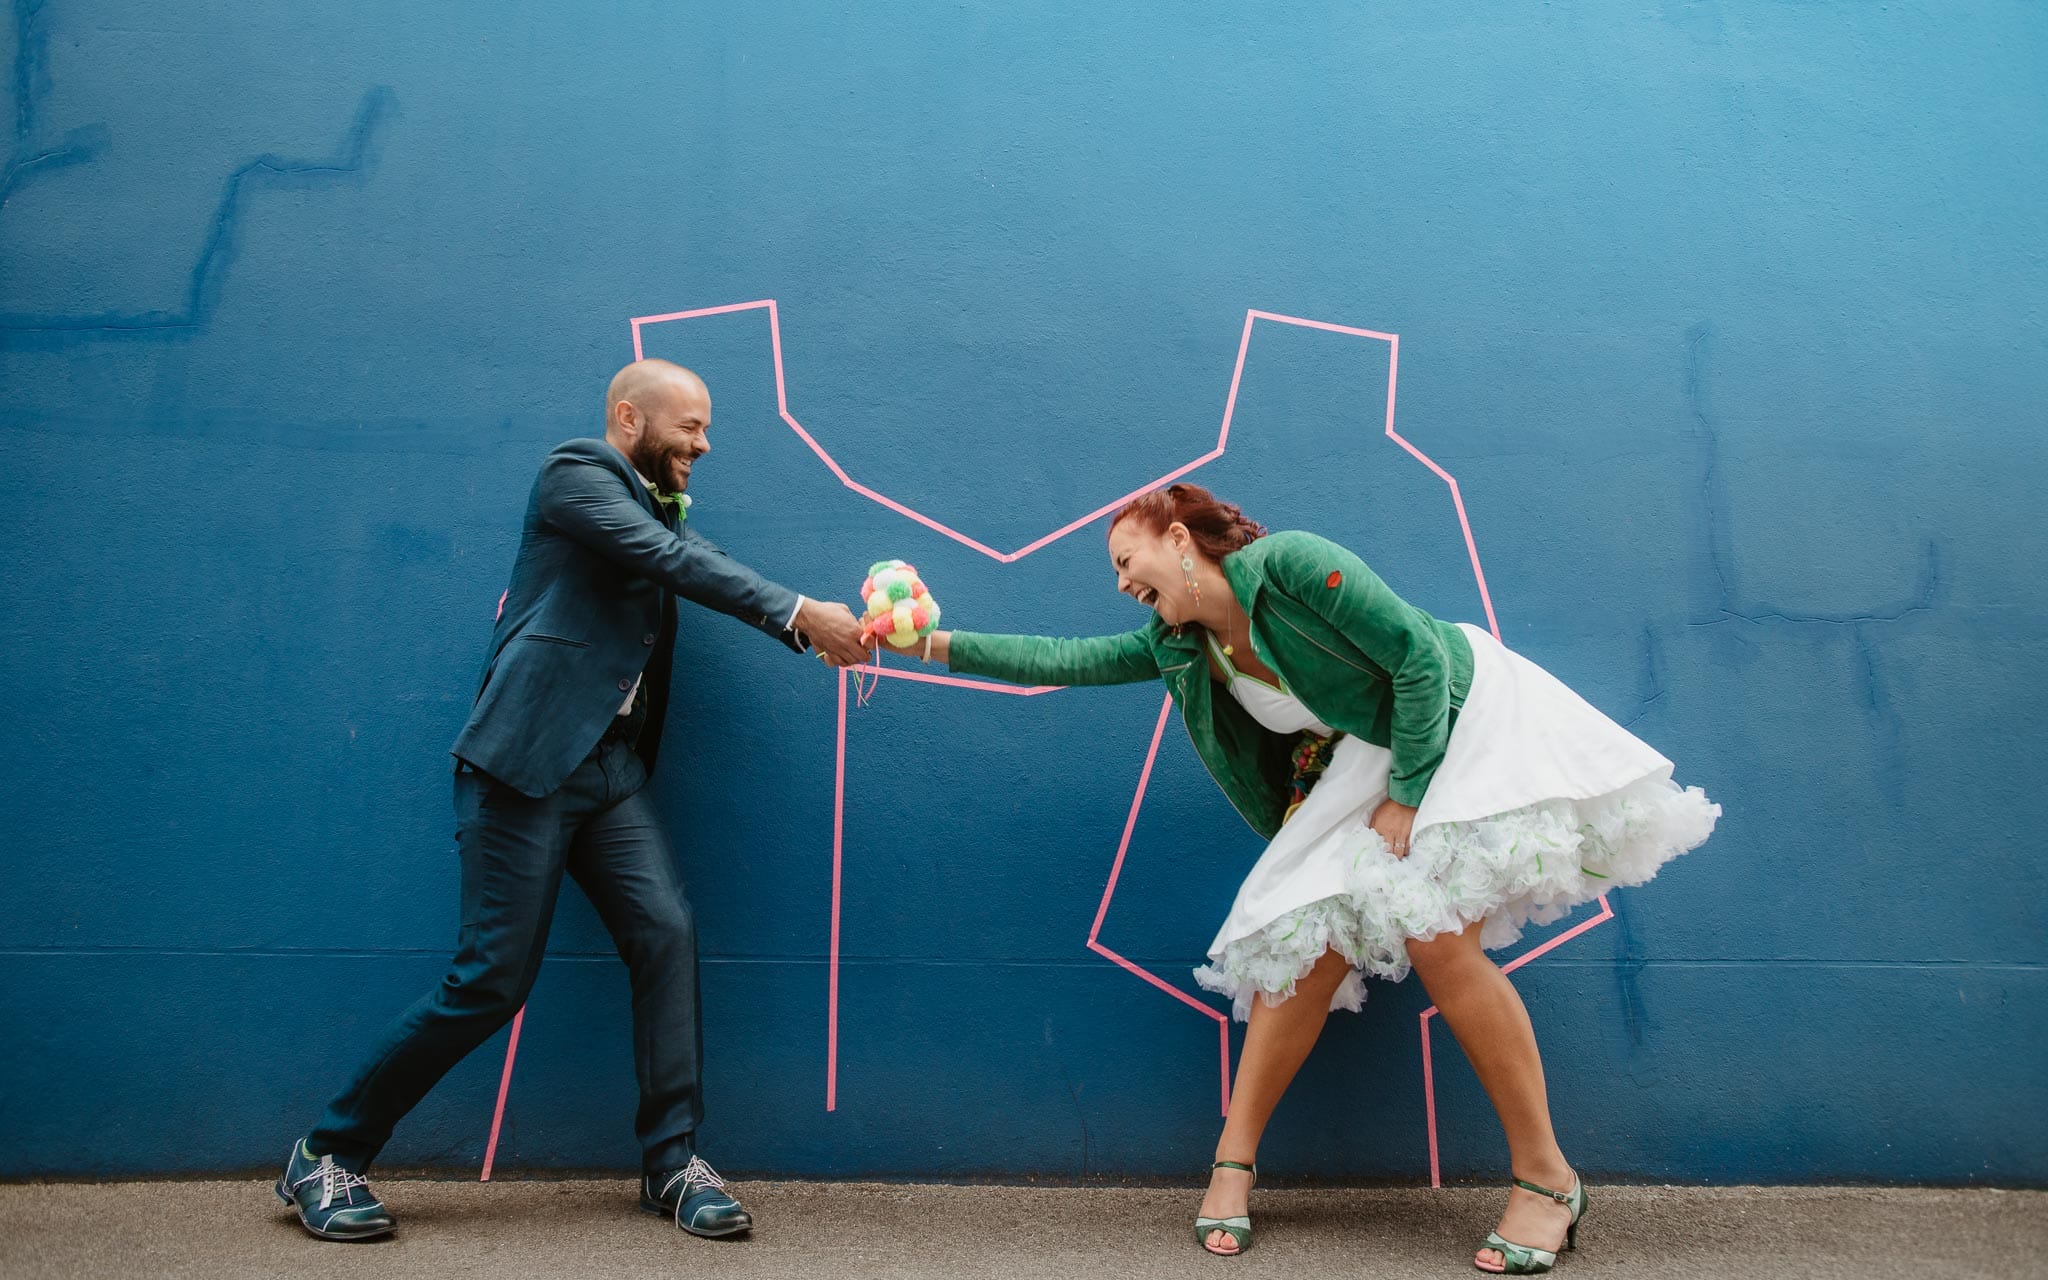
x=1238, y=1229
x=1521, y=1259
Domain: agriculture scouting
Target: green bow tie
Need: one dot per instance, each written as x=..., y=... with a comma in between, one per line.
x=680, y=502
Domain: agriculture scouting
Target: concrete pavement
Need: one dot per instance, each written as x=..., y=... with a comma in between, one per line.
x=851, y=1231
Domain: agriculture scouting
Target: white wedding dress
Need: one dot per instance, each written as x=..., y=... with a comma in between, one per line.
x=1541, y=803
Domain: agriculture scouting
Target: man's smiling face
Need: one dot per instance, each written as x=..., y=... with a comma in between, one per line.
x=669, y=415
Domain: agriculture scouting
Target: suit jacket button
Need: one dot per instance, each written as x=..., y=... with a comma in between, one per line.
x=648, y=638
x=625, y=685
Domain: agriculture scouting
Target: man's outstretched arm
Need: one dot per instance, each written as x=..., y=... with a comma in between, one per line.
x=589, y=503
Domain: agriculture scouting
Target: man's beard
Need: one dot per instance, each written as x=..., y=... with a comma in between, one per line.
x=653, y=461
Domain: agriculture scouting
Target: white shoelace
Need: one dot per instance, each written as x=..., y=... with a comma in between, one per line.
x=334, y=1180
x=695, y=1176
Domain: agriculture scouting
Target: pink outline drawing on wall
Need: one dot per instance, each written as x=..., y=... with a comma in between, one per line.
x=1094, y=942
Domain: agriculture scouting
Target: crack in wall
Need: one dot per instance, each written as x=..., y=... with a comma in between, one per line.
x=1714, y=499
x=1652, y=677
x=1630, y=958
x=29, y=81
x=202, y=293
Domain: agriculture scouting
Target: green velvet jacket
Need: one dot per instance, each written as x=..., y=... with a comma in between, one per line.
x=1363, y=660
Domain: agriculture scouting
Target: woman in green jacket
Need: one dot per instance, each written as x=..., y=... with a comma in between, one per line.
x=1425, y=793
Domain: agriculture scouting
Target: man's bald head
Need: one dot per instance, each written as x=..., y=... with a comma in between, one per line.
x=657, y=414
x=644, y=381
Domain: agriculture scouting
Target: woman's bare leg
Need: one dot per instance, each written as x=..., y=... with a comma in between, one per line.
x=1277, y=1040
x=1492, y=1025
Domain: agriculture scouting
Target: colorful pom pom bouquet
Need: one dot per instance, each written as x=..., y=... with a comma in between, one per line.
x=899, y=608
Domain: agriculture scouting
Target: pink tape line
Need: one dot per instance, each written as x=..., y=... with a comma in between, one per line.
x=1393, y=342
x=985, y=686
x=838, y=867
x=1109, y=890
x=518, y=1021
x=1101, y=912
x=504, y=1087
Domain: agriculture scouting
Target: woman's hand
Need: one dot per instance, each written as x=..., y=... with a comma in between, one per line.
x=941, y=645
x=1394, y=822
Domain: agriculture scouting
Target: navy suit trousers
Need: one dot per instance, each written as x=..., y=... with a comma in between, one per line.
x=601, y=828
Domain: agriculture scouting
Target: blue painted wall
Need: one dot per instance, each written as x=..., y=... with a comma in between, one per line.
x=1728, y=318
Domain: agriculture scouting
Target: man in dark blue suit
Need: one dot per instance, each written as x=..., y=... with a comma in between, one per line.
x=550, y=777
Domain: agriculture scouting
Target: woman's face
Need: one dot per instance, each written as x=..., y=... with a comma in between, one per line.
x=1148, y=568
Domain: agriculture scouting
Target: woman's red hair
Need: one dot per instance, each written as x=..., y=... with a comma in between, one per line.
x=1216, y=526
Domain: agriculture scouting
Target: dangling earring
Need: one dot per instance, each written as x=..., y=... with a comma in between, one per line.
x=1187, y=571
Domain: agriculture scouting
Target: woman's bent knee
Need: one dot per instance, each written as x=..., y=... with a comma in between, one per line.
x=1331, y=965
x=1444, y=951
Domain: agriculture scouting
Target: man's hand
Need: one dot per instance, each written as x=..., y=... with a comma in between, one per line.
x=832, y=628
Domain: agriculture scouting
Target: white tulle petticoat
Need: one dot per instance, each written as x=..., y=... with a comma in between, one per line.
x=1541, y=804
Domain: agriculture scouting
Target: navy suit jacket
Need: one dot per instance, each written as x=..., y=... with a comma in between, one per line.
x=591, y=607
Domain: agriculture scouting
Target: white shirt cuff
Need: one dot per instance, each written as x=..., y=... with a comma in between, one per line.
x=791, y=624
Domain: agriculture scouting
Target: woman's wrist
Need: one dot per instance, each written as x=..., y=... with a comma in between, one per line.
x=938, y=647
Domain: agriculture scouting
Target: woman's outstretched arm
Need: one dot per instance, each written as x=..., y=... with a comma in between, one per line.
x=1121, y=659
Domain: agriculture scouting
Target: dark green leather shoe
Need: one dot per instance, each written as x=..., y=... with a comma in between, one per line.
x=1238, y=1228
x=696, y=1197
x=332, y=1202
